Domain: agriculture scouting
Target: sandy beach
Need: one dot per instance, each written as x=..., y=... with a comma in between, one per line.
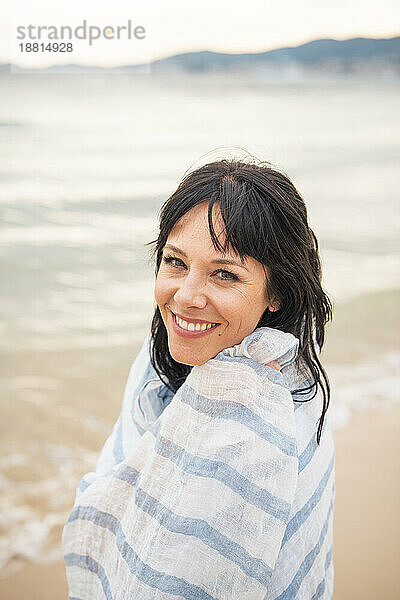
x=366, y=527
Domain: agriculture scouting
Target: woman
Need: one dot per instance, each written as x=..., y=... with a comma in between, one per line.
x=216, y=482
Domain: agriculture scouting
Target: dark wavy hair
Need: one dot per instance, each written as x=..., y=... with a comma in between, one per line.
x=264, y=217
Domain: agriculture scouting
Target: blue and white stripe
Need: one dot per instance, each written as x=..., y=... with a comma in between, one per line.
x=221, y=494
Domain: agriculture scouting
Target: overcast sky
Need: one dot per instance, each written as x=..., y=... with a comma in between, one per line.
x=174, y=26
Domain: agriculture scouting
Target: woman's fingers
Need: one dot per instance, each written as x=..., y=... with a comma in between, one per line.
x=274, y=365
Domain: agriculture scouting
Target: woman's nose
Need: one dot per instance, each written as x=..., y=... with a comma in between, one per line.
x=190, y=293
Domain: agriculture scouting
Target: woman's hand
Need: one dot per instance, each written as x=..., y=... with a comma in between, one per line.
x=274, y=365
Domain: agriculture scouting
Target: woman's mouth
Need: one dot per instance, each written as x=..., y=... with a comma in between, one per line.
x=191, y=328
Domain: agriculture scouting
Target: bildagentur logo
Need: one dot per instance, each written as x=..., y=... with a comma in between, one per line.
x=84, y=31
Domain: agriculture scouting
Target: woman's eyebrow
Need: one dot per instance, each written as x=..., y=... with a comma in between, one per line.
x=217, y=261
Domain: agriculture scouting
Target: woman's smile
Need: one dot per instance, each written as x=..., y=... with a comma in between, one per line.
x=192, y=328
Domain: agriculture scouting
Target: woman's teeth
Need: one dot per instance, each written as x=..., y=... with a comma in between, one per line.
x=194, y=326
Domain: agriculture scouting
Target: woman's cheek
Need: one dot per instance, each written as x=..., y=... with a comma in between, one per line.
x=164, y=292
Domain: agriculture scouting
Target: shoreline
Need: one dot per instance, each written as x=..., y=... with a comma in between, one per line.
x=365, y=533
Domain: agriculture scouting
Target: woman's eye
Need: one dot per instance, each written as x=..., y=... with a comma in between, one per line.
x=228, y=276
x=174, y=262
x=178, y=263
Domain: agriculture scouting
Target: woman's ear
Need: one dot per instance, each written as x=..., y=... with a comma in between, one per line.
x=274, y=306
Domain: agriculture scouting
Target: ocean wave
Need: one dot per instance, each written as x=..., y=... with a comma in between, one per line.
x=367, y=385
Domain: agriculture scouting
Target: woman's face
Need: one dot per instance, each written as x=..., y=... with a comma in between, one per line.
x=208, y=301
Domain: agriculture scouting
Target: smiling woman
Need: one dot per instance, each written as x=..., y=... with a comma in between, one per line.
x=214, y=483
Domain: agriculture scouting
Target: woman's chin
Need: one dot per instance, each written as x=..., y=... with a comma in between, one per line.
x=187, y=359
x=187, y=356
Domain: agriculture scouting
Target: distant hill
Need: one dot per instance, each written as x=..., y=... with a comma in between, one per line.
x=352, y=57
x=346, y=56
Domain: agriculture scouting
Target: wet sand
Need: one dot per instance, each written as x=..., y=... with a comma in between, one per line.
x=366, y=524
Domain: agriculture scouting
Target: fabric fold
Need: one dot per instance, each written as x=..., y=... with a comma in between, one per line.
x=266, y=344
